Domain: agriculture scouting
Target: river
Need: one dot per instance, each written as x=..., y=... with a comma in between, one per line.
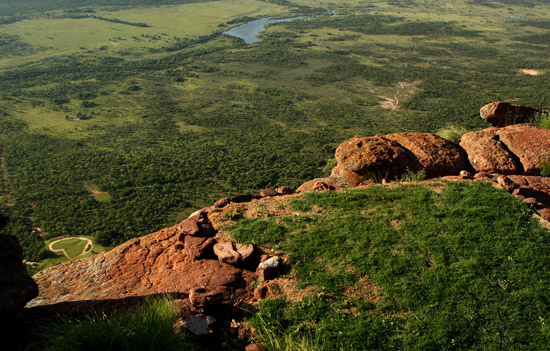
x=250, y=30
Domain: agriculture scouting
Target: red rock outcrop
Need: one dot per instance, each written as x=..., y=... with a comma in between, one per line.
x=390, y=156
x=509, y=150
x=153, y=264
x=437, y=156
x=502, y=114
x=487, y=153
x=16, y=287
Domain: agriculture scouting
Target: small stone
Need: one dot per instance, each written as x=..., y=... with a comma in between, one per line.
x=199, y=324
x=189, y=226
x=268, y=192
x=272, y=262
x=226, y=253
x=481, y=175
x=221, y=202
x=202, y=297
x=268, y=269
x=198, y=247
x=284, y=190
x=253, y=347
x=385, y=181
x=466, y=173
x=203, y=212
x=322, y=186
x=507, y=183
x=246, y=253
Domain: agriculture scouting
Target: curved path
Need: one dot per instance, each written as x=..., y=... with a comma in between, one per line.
x=87, y=248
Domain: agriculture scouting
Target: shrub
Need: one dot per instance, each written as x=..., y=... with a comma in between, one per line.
x=545, y=164
x=411, y=176
x=543, y=120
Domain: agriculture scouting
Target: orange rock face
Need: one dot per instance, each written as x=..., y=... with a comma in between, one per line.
x=149, y=265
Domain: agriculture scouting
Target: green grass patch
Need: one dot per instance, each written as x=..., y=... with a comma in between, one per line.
x=410, y=268
x=258, y=231
x=148, y=327
x=300, y=205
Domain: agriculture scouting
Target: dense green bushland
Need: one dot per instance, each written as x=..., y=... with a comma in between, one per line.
x=170, y=126
x=415, y=267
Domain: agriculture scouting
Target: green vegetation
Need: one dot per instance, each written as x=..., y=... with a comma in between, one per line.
x=411, y=176
x=545, y=165
x=442, y=266
x=543, y=120
x=170, y=117
x=148, y=327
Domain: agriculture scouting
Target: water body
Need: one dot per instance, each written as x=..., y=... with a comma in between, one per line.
x=250, y=30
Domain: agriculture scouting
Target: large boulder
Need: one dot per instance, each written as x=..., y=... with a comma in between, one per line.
x=529, y=144
x=437, y=156
x=16, y=287
x=372, y=157
x=487, y=153
x=502, y=114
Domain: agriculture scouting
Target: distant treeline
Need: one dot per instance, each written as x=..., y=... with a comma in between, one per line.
x=113, y=20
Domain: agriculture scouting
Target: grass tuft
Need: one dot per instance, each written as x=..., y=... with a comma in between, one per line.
x=411, y=176
x=148, y=327
x=452, y=133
